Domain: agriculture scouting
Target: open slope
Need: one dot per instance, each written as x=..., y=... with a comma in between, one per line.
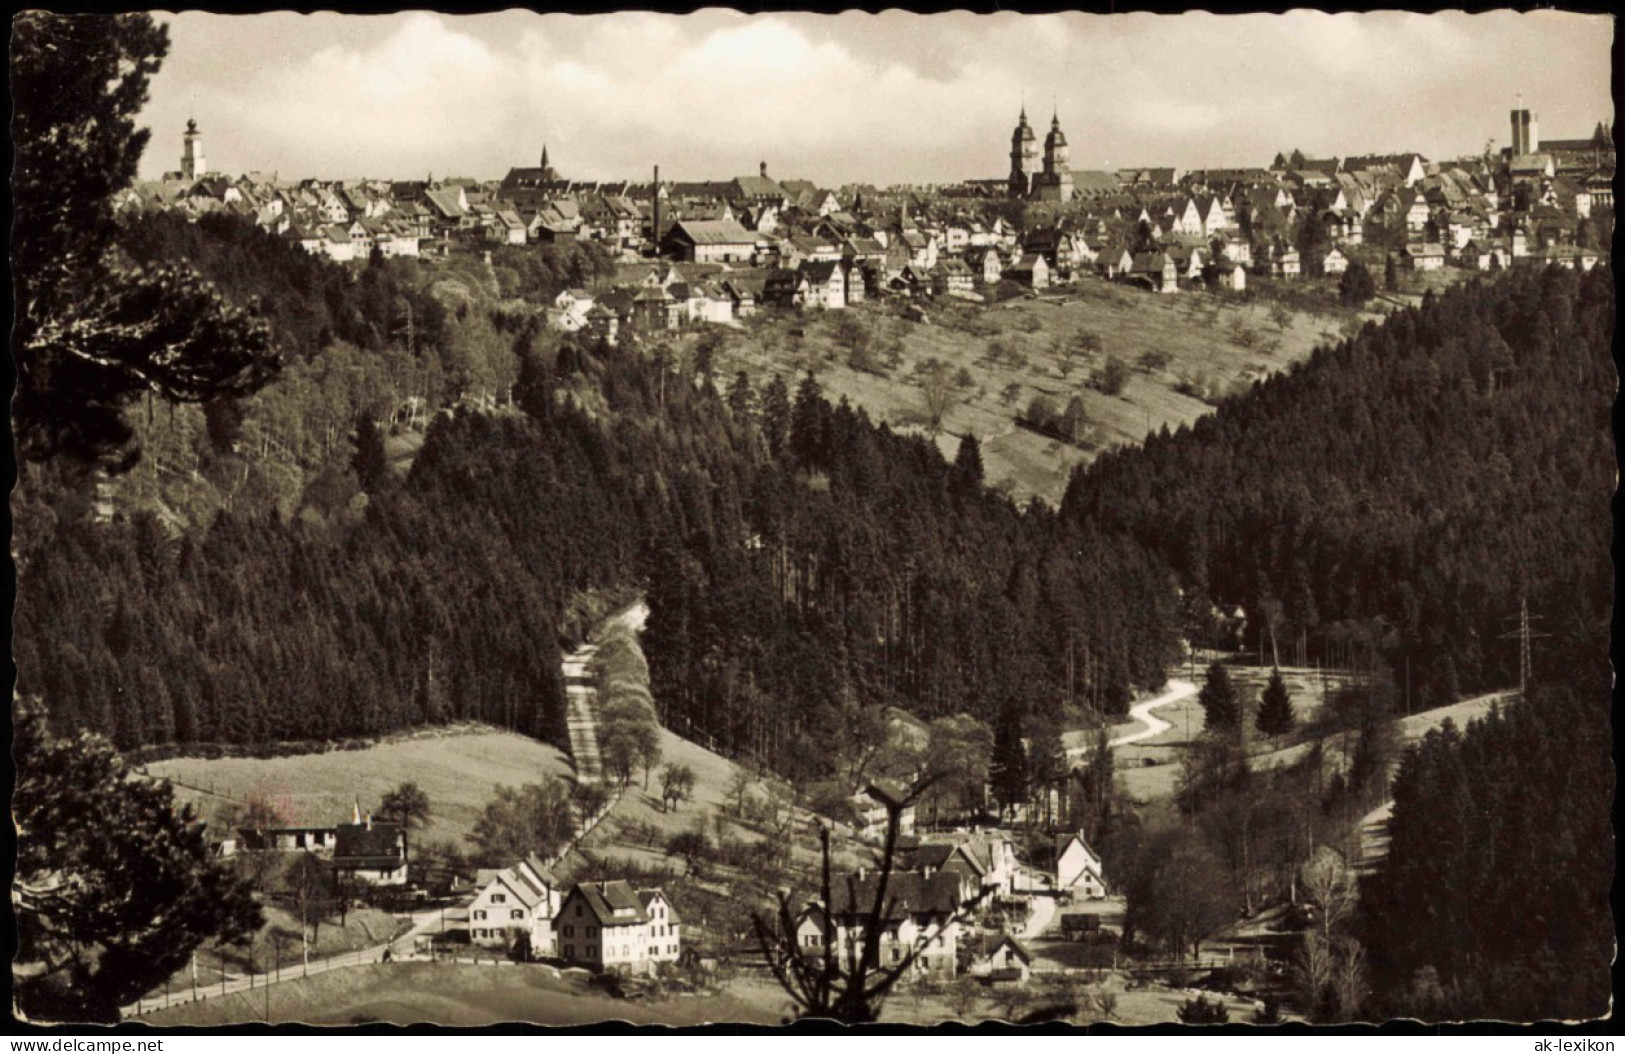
x=456, y=768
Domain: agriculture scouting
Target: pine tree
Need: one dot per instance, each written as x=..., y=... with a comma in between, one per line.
x=370, y=461
x=533, y=390
x=1008, y=769
x=809, y=427
x=776, y=416
x=1220, y=708
x=1275, y=716
x=741, y=399
x=967, y=474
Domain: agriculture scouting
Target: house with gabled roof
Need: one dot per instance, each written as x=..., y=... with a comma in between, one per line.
x=1078, y=869
x=826, y=283
x=1428, y=256
x=711, y=241
x=1007, y=962
x=1157, y=270
x=1030, y=269
x=371, y=852
x=919, y=917
x=785, y=287
x=513, y=908
x=604, y=925
x=664, y=941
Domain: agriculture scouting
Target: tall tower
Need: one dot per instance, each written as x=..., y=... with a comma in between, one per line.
x=1525, y=132
x=1024, y=164
x=1054, y=183
x=547, y=174
x=192, y=164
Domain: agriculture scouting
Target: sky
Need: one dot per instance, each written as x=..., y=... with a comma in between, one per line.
x=856, y=97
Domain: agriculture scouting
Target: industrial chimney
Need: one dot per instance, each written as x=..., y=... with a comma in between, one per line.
x=654, y=233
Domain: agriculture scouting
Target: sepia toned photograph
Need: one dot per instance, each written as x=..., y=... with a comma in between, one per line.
x=748, y=519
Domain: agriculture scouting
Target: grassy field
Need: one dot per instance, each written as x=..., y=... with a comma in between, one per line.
x=1150, y=768
x=456, y=768
x=454, y=994
x=1193, y=330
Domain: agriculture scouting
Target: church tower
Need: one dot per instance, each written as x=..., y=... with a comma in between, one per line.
x=547, y=174
x=1024, y=163
x=1054, y=183
x=192, y=164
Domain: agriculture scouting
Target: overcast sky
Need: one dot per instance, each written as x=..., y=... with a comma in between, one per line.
x=881, y=98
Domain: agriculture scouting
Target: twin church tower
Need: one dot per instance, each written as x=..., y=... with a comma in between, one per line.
x=1035, y=180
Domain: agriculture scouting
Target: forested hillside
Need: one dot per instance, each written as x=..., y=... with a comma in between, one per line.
x=799, y=562
x=1494, y=898
x=1395, y=498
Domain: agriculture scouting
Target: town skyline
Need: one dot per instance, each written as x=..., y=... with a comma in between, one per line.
x=705, y=95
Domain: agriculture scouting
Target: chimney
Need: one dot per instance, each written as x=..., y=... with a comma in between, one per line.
x=763, y=169
x=654, y=232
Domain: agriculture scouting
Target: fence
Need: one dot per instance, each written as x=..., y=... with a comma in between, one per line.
x=252, y=982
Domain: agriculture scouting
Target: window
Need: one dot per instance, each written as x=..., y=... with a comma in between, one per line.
x=517, y=913
x=592, y=951
x=578, y=911
x=626, y=951
x=592, y=931
x=569, y=951
x=499, y=898
x=569, y=931
x=479, y=915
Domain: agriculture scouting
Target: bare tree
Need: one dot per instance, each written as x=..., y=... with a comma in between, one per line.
x=849, y=988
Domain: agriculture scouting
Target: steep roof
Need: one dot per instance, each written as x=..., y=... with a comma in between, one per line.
x=647, y=896
x=907, y=893
x=1015, y=946
x=368, y=844
x=613, y=903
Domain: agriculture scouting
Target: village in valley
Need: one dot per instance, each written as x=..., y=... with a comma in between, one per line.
x=971, y=906
x=708, y=596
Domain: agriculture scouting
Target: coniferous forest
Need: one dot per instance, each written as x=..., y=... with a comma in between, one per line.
x=1392, y=501
x=800, y=563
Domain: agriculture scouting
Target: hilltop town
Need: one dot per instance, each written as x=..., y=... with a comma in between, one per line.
x=722, y=250
x=1069, y=596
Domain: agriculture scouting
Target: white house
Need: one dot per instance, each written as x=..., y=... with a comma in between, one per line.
x=664, y=941
x=1078, y=869
x=514, y=908
x=920, y=918
x=608, y=925
x=1008, y=963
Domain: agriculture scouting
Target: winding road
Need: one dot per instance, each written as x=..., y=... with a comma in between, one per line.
x=1143, y=712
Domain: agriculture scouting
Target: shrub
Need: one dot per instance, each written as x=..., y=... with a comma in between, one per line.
x=1112, y=377
x=1155, y=360
x=1202, y=1011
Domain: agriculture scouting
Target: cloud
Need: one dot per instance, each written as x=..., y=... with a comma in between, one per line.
x=878, y=97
